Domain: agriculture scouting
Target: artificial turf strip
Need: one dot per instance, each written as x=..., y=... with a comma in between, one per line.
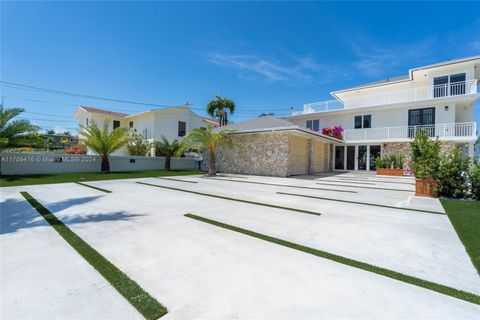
x=96, y=188
x=440, y=288
x=175, y=180
x=357, y=202
x=465, y=218
x=283, y=185
x=147, y=305
x=232, y=199
x=362, y=187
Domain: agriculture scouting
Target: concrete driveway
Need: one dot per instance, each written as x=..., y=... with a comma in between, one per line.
x=201, y=271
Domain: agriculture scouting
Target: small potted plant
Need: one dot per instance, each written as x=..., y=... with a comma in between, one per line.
x=390, y=164
x=425, y=164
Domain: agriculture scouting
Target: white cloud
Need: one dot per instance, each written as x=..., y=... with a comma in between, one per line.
x=304, y=69
x=379, y=61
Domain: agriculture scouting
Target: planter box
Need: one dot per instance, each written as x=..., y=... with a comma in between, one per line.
x=426, y=188
x=389, y=172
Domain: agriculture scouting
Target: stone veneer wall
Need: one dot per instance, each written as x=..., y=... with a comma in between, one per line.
x=265, y=153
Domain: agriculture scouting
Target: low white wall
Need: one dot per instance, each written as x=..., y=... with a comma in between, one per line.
x=32, y=163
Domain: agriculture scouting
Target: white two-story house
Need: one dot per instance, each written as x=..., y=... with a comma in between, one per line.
x=383, y=116
x=173, y=123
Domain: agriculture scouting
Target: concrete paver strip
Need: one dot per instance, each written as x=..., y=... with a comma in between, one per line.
x=43, y=277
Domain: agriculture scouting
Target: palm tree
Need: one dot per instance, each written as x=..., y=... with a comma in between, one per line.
x=15, y=133
x=219, y=108
x=167, y=148
x=103, y=142
x=208, y=139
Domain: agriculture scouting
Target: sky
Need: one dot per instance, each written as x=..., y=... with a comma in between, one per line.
x=267, y=57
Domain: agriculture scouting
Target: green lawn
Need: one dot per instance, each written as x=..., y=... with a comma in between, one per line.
x=22, y=180
x=465, y=218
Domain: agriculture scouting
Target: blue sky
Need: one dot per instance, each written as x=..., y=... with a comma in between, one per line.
x=267, y=57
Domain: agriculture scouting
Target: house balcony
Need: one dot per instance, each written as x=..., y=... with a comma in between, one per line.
x=446, y=131
x=417, y=94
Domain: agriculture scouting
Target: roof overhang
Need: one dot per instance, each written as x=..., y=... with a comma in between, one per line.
x=296, y=129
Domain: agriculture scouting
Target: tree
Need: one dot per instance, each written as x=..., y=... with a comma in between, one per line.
x=208, y=140
x=219, y=108
x=264, y=114
x=425, y=155
x=51, y=131
x=103, y=141
x=167, y=148
x=16, y=133
x=138, y=145
x=67, y=133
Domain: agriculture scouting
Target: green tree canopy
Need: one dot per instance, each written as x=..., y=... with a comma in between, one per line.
x=16, y=133
x=168, y=149
x=219, y=108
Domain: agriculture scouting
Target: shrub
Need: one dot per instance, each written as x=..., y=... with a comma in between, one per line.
x=474, y=176
x=452, y=176
x=390, y=161
x=76, y=149
x=425, y=156
x=335, y=132
x=138, y=145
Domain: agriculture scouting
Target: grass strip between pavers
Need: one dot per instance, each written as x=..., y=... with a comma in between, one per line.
x=354, y=182
x=440, y=288
x=361, y=187
x=232, y=199
x=162, y=178
x=147, y=305
x=283, y=185
x=358, y=202
x=96, y=188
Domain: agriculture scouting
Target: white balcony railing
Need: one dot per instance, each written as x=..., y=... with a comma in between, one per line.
x=394, y=96
x=448, y=131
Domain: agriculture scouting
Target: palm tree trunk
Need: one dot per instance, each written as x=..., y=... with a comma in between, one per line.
x=105, y=164
x=225, y=119
x=212, y=170
x=167, y=163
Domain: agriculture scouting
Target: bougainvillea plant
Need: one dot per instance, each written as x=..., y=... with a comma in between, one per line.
x=334, y=131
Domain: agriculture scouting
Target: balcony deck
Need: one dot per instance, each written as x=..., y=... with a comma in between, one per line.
x=447, y=131
x=417, y=94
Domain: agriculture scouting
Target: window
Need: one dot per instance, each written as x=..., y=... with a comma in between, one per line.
x=313, y=125
x=451, y=85
x=182, y=128
x=130, y=124
x=116, y=124
x=363, y=121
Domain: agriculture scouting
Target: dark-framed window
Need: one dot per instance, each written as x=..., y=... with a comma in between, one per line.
x=363, y=121
x=130, y=124
x=116, y=124
x=451, y=85
x=313, y=125
x=182, y=128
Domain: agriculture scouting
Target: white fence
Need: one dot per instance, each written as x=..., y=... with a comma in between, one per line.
x=33, y=163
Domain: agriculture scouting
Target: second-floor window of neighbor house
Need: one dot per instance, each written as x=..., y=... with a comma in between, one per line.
x=182, y=128
x=130, y=124
x=313, y=125
x=363, y=121
x=451, y=85
x=116, y=124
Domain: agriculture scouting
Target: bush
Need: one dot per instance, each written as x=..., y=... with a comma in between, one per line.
x=390, y=161
x=452, y=176
x=474, y=175
x=138, y=145
x=76, y=149
x=425, y=160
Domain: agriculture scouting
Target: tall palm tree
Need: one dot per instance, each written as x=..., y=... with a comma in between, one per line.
x=15, y=133
x=103, y=141
x=210, y=140
x=219, y=108
x=167, y=148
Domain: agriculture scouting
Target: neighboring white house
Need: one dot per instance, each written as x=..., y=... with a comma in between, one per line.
x=173, y=123
x=383, y=116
